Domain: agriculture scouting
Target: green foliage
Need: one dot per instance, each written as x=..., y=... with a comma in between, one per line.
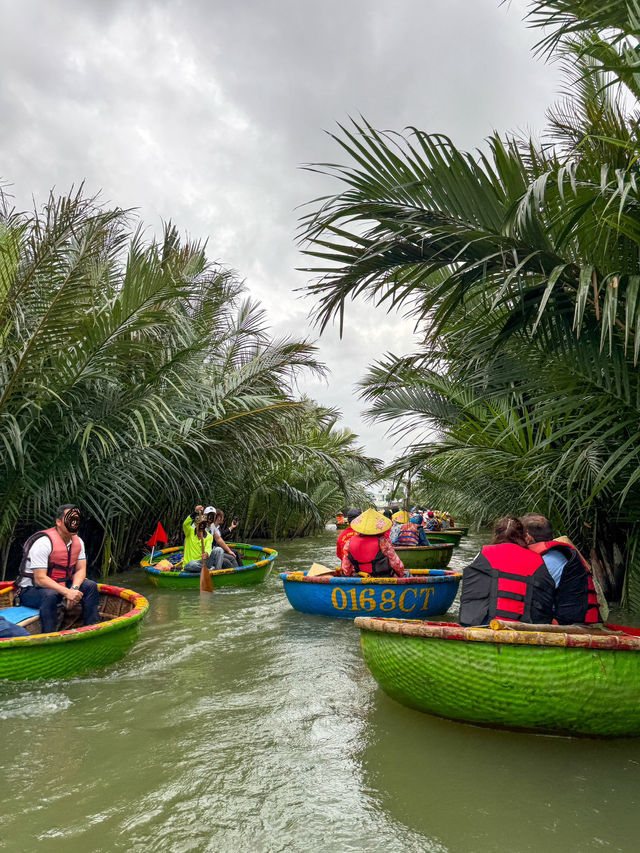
x=137, y=379
x=519, y=264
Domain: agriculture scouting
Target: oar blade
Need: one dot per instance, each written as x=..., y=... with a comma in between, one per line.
x=206, y=584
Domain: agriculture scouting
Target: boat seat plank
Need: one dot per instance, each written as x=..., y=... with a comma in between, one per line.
x=16, y=615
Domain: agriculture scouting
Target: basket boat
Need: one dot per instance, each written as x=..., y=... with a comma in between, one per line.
x=258, y=562
x=436, y=537
x=73, y=650
x=582, y=684
x=428, y=594
x=425, y=556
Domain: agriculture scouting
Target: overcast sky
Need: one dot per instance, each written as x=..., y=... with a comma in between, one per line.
x=202, y=112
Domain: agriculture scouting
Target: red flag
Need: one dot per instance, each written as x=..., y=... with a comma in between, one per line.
x=158, y=536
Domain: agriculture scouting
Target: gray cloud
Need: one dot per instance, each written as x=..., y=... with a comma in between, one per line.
x=202, y=112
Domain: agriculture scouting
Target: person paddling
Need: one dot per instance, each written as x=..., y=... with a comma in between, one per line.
x=368, y=551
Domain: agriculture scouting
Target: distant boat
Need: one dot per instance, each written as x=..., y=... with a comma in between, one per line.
x=258, y=563
x=425, y=556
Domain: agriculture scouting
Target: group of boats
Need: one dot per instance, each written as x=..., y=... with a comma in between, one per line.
x=543, y=678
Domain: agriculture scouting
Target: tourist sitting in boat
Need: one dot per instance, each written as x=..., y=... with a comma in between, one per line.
x=340, y=519
x=408, y=531
x=196, y=535
x=369, y=552
x=576, y=598
x=507, y=580
x=54, y=569
x=347, y=533
x=231, y=559
x=227, y=532
x=432, y=522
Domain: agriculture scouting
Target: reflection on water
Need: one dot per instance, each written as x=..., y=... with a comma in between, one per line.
x=238, y=724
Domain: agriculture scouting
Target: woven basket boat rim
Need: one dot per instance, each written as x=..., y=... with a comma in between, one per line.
x=270, y=555
x=456, y=633
x=139, y=610
x=328, y=580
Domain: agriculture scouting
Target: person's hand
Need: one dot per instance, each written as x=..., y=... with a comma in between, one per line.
x=233, y=525
x=73, y=596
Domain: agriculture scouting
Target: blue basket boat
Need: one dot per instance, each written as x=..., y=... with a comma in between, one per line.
x=430, y=593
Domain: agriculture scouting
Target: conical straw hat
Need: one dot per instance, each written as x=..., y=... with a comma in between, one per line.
x=317, y=569
x=402, y=516
x=371, y=523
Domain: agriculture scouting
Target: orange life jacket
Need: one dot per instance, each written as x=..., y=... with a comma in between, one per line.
x=62, y=560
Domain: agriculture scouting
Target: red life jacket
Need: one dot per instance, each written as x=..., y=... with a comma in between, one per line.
x=62, y=560
x=573, y=559
x=365, y=556
x=506, y=582
x=347, y=533
x=408, y=535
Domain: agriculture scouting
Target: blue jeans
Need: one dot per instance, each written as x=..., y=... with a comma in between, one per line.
x=8, y=629
x=47, y=600
x=213, y=561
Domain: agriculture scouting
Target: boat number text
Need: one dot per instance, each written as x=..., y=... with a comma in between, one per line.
x=407, y=601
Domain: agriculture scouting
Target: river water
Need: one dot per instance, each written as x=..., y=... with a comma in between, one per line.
x=237, y=724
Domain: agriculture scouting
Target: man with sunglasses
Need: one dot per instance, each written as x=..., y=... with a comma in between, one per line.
x=53, y=568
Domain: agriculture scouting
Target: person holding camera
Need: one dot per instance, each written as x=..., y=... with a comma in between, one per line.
x=197, y=536
x=54, y=569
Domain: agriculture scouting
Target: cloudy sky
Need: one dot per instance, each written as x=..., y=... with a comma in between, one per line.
x=202, y=111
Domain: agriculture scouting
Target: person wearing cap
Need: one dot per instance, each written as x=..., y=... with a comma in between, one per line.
x=347, y=533
x=368, y=551
x=54, y=568
x=432, y=522
x=408, y=530
x=194, y=539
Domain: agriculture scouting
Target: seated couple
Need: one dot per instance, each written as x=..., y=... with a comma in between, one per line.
x=526, y=575
x=218, y=556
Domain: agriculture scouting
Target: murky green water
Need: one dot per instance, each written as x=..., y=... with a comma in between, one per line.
x=237, y=724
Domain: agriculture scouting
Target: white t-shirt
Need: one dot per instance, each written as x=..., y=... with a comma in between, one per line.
x=38, y=556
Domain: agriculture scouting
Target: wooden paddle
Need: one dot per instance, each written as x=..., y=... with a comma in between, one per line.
x=206, y=584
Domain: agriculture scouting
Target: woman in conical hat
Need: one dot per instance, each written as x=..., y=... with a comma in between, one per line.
x=368, y=551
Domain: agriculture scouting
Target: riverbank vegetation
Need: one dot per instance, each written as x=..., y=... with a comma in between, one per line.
x=519, y=263
x=137, y=379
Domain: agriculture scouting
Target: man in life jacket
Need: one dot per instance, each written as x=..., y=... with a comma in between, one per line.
x=576, y=599
x=369, y=552
x=54, y=568
x=408, y=530
x=347, y=533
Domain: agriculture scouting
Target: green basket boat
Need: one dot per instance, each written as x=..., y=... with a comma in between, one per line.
x=258, y=562
x=73, y=650
x=568, y=683
x=453, y=537
x=425, y=556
